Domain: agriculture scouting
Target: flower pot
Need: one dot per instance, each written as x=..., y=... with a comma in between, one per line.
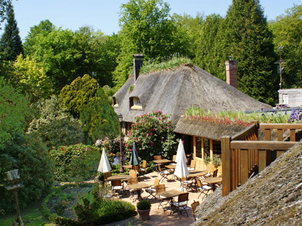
x=144, y=214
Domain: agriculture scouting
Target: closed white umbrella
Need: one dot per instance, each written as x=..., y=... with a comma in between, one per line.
x=181, y=169
x=104, y=165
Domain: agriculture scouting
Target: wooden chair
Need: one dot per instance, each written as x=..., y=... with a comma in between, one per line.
x=186, y=184
x=116, y=186
x=132, y=191
x=204, y=189
x=193, y=206
x=133, y=173
x=215, y=173
x=181, y=206
x=192, y=165
x=161, y=188
x=157, y=157
x=152, y=189
x=143, y=167
x=163, y=173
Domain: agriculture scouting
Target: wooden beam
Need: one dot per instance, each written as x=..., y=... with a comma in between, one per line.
x=244, y=166
x=226, y=165
x=267, y=134
x=272, y=145
x=243, y=134
x=280, y=126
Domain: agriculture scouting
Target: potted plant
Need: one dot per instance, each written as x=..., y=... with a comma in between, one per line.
x=143, y=208
x=216, y=161
x=207, y=161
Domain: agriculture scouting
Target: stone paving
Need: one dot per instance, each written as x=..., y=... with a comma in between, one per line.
x=157, y=215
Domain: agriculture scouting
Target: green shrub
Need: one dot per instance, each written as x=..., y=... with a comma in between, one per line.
x=75, y=162
x=28, y=154
x=55, y=126
x=206, y=159
x=216, y=162
x=153, y=134
x=143, y=205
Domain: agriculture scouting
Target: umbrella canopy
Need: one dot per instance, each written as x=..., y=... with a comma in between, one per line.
x=181, y=169
x=134, y=156
x=104, y=165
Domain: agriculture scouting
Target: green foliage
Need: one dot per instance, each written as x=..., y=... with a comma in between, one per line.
x=143, y=205
x=206, y=159
x=29, y=155
x=216, y=162
x=14, y=112
x=10, y=43
x=33, y=78
x=247, y=39
x=208, y=54
x=147, y=28
x=153, y=134
x=55, y=126
x=87, y=101
x=75, y=162
x=287, y=33
x=244, y=119
x=167, y=65
x=109, y=92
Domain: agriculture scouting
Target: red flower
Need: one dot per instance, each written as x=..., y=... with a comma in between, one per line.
x=62, y=148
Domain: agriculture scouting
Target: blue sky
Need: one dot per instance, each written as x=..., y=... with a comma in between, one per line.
x=104, y=14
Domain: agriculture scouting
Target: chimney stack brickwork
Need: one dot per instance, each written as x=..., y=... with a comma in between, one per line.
x=231, y=72
x=137, y=63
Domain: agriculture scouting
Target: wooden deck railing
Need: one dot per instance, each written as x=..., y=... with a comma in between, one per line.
x=243, y=155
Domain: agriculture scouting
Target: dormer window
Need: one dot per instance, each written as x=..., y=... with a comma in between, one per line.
x=114, y=102
x=135, y=103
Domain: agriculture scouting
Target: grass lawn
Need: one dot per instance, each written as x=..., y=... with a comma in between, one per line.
x=31, y=216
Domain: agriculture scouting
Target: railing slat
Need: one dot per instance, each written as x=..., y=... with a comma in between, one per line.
x=279, y=126
x=272, y=145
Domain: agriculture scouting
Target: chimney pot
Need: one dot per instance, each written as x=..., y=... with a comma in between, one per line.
x=231, y=72
x=137, y=63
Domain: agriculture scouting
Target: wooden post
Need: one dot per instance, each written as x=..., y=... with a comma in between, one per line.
x=226, y=156
x=264, y=159
x=244, y=166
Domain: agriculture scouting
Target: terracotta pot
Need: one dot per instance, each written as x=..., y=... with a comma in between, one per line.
x=144, y=214
x=210, y=168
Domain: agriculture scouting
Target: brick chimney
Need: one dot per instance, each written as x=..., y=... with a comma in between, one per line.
x=231, y=72
x=137, y=63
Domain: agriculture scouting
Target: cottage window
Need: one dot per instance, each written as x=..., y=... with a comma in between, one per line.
x=198, y=147
x=217, y=148
x=114, y=102
x=206, y=146
x=135, y=103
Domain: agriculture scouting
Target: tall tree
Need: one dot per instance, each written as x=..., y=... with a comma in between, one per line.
x=147, y=28
x=10, y=43
x=248, y=40
x=287, y=30
x=208, y=52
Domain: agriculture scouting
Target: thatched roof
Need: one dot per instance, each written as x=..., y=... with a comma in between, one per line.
x=173, y=91
x=273, y=197
x=206, y=129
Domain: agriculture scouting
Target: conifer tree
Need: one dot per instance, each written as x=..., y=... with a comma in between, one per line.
x=248, y=40
x=10, y=43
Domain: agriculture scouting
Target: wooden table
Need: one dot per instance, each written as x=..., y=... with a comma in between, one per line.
x=194, y=174
x=171, y=193
x=161, y=161
x=139, y=187
x=212, y=181
x=127, y=166
x=170, y=166
x=121, y=177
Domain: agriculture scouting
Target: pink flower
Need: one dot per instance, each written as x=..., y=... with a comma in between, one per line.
x=138, y=141
x=182, y=141
x=130, y=150
x=147, y=134
x=130, y=133
x=135, y=138
x=151, y=133
x=86, y=149
x=168, y=127
x=153, y=129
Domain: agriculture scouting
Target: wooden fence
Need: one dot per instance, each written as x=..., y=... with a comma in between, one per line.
x=244, y=155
